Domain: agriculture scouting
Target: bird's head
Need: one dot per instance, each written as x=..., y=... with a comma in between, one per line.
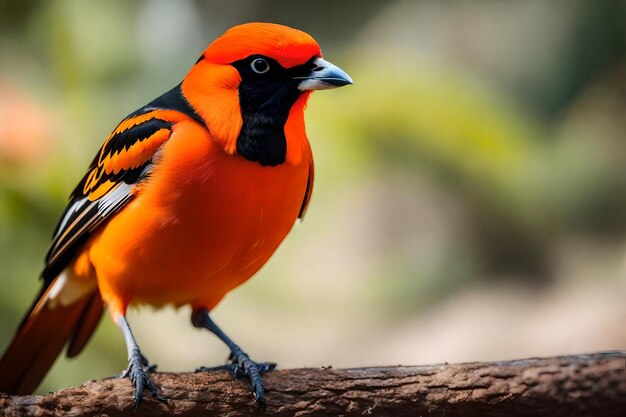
x=251, y=86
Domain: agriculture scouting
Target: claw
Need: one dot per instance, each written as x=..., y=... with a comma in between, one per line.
x=242, y=366
x=228, y=367
x=137, y=371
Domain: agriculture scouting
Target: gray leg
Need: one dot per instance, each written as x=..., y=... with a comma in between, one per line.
x=240, y=363
x=138, y=368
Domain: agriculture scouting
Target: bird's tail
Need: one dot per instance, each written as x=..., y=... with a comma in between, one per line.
x=66, y=310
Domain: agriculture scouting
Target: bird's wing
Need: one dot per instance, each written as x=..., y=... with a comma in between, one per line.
x=125, y=159
x=308, y=192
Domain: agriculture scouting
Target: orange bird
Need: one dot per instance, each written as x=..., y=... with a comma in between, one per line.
x=187, y=198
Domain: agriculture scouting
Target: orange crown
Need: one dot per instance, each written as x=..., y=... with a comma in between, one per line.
x=288, y=46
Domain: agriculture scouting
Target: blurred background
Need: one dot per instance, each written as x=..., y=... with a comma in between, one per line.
x=470, y=195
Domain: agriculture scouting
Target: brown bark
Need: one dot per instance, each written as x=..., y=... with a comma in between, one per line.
x=583, y=385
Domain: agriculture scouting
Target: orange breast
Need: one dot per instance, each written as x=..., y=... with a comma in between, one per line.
x=202, y=224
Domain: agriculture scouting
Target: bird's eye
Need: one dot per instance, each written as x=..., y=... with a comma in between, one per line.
x=260, y=66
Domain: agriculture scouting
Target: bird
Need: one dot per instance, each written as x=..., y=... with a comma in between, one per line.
x=187, y=198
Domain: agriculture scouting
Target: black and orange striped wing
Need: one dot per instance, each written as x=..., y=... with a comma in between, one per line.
x=124, y=160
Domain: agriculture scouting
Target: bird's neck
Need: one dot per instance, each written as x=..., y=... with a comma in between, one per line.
x=263, y=137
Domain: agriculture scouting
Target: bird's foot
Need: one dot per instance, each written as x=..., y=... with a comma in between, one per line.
x=137, y=371
x=145, y=364
x=242, y=366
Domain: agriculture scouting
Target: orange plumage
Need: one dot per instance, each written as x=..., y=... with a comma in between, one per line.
x=187, y=199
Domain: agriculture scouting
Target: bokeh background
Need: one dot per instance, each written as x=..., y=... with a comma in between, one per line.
x=470, y=198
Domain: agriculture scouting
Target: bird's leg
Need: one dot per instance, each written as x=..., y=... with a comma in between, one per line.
x=240, y=363
x=138, y=367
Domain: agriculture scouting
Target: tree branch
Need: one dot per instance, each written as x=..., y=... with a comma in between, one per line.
x=583, y=385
